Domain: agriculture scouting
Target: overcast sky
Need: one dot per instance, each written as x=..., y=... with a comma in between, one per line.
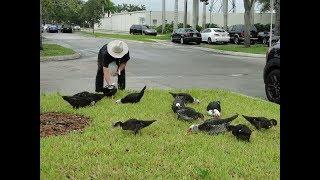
x=156, y=5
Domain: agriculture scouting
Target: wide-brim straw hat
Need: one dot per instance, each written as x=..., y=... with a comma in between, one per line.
x=117, y=48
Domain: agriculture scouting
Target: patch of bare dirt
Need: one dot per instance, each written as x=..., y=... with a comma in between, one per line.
x=53, y=124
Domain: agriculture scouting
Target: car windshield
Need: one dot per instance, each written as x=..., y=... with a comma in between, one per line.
x=219, y=30
x=191, y=30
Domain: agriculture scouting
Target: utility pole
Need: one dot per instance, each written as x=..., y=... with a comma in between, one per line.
x=225, y=14
x=163, y=15
x=175, y=25
x=271, y=10
x=185, y=13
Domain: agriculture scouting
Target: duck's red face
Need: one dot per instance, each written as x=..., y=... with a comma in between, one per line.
x=201, y=116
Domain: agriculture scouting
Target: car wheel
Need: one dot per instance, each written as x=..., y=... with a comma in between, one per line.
x=172, y=39
x=198, y=42
x=272, y=86
x=209, y=41
x=236, y=40
x=264, y=41
x=182, y=40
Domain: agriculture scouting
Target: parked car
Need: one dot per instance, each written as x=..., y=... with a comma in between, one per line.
x=59, y=27
x=186, y=35
x=212, y=35
x=45, y=27
x=77, y=28
x=271, y=73
x=142, y=29
x=66, y=29
x=236, y=33
x=52, y=29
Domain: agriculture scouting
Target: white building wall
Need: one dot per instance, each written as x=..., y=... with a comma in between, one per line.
x=237, y=18
x=123, y=21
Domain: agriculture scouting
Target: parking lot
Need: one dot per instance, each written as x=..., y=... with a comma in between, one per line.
x=157, y=65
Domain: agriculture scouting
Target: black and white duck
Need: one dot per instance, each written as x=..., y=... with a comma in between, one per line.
x=187, y=97
x=178, y=103
x=213, y=126
x=133, y=124
x=189, y=114
x=214, y=109
x=240, y=131
x=132, y=97
x=261, y=122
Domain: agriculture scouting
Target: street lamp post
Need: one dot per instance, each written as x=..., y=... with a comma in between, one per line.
x=150, y=19
x=271, y=10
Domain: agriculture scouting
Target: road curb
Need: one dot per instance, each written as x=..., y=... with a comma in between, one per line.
x=61, y=58
x=232, y=52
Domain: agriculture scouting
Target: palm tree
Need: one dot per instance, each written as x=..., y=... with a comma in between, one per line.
x=266, y=7
x=247, y=23
x=185, y=14
x=204, y=12
x=163, y=15
x=109, y=7
x=175, y=25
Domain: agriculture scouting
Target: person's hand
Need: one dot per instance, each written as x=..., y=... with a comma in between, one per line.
x=116, y=73
x=112, y=86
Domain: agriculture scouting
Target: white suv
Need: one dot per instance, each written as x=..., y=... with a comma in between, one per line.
x=211, y=35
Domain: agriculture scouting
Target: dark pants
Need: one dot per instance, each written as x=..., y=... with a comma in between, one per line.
x=100, y=79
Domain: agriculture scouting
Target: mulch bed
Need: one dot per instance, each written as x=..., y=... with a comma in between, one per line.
x=53, y=124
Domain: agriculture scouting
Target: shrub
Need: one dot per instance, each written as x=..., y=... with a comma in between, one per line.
x=167, y=29
x=198, y=28
x=212, y=25
x=263, y=27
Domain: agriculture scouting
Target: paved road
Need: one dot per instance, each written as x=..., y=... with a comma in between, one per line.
x=158, y=65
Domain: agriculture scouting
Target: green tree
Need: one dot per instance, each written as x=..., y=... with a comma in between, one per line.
x=129, y=8
x=247, y=23
x=61, y=11
x=93, y=12
x=266, y=7
x=204, y=12
x=109, y=7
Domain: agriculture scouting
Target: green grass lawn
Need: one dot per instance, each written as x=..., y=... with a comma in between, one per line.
x=55, y=50
x=255, y=49
x=163, y=150
x=144, y=38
